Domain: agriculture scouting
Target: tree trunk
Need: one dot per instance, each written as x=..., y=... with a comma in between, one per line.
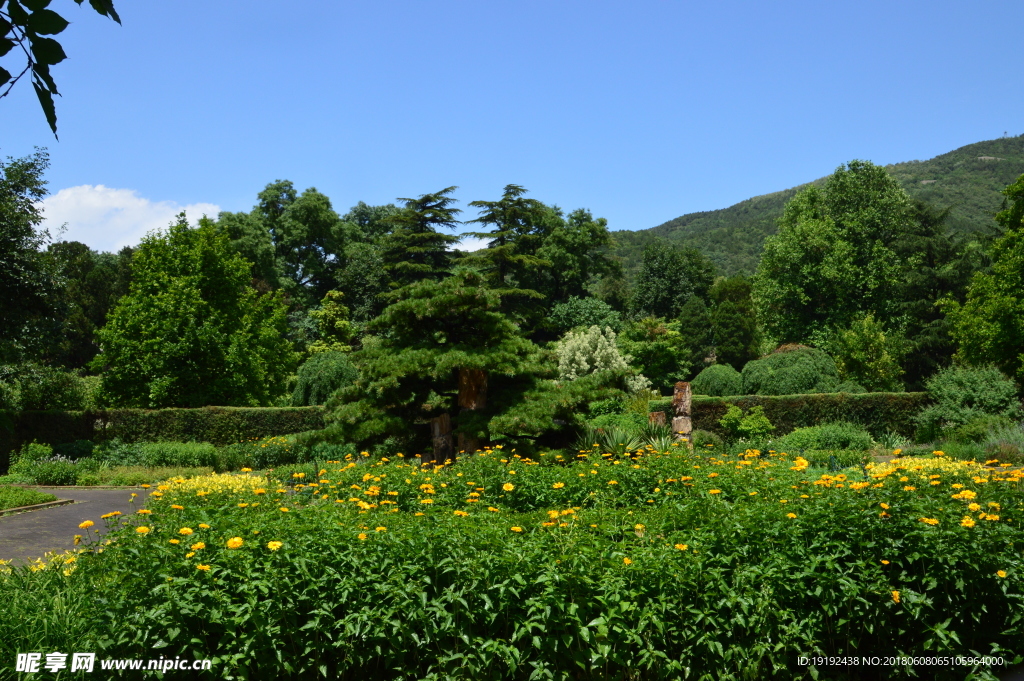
x=441, y=433
x=472, y=397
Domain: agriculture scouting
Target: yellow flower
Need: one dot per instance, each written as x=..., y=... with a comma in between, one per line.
x=274, y=545
x=895, y=596
x=86, y=525
x=508, y=487
x=142, y=529
x=627, y=561
x=362, y=536
x=426, y=501
x=177, y=508
x=909, y=488
x=613, y=482
x=243, y=505
x=714, y=491
x=1000, y=573
x=78, y=539
x=493, y=510
x=235, y=543
x=145, y=486
x=174, y=541
x=185, y=530
x=259, y=490
x=558, y=485
x=144, y=511
x=885, y=562
x=791, y=515
x=461, y=514
x=247, y=470
x=283, y=509
x=203, y=526
x=113, y=514
x=198, y=546
x=516, y=528
x=380, y=529
x=929, y=521
x=973, y=507
x=967, y=522
x=204, y=568
x=682, y=547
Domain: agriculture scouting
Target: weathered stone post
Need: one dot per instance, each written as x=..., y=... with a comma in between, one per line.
x=472, y=396
x=682, y=398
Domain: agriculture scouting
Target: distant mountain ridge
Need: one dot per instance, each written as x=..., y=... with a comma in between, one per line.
x=968, y=179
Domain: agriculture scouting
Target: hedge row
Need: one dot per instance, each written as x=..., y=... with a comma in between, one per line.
x=878, y=412
x=217, y=425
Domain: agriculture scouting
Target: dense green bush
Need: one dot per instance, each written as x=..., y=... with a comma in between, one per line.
x=878, y=412
x=791, y=370
x=261, y=453
x=718, y=380
x=35, y=387
x=753, y=427
x=701, y=439
x=963, y=393
x=978, y=428
x=583, y=312
x=58, y=473
x=15, y=497
x=179, y=454
x=835, y=459
x=321, y=376
x=840, y=435
x=628, y=421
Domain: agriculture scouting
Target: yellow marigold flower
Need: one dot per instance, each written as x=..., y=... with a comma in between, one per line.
x=418, y=513
x=199, y=546
x=791, y=515
x=714, y=491
x=895, y=596
x=85, y=525
x=973, y=507
x=993, y=504
x=991, y=517
x=613, y=482
x=938, y=453
x=492, y=509
x=558, y=485
x=885, y=562
x=508, y=487
x=177, y=508
x=627, y=561
x=274, y=545
x=712, y=475
x=185, y=530
x=203, y=526
x=380, y=529
x=259, y=490
x=361, y=536
x=682, y=547
x=929, y=521
x=967, y=521
x=204, y=568
x=885, y=506
x=144, y=511
x=426, y=501
x=247, y=470
x=1000, y=573
x=174, y=541
x=461, y=514
x=909, y=488
x=516, y=528
x=113, y=514
x=235, y=543
x=283, y=509
x=753, y=494
x=142, y=529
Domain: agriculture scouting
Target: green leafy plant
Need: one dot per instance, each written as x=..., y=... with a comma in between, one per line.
x=753, y=425
x=963, y=393
x=839, y=435
x=718, y=380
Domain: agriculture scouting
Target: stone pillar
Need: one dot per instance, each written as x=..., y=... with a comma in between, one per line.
x=682, y=398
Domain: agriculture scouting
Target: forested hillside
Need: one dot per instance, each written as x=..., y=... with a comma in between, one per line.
x=968, y=180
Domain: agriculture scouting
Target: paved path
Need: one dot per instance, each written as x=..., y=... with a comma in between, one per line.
x=25, y=536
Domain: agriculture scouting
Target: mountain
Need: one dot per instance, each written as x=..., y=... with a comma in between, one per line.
x=969, y=180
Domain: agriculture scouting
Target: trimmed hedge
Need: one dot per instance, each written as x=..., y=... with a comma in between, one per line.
x=878, y=412
x=216, y=425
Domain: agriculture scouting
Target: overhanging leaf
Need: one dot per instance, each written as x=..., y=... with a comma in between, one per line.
x=46, y=22
x=6, y=46
x=5, y=75
x=47, y=51
x=106, y=8
x=46, y=101
x=36, y=5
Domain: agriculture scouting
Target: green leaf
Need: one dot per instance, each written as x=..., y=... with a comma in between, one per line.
x=46, y=101
x=47, y=51
x=36, y=5
x=5, y=75
x=46, y=22
x=17, y=13
x=5, y=26
x=42, y=72
x=106, y=8
x=6, y=46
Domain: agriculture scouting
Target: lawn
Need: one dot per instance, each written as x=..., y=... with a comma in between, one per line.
x=659, y=565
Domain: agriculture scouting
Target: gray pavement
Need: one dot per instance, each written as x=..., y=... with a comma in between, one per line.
x=29, y=535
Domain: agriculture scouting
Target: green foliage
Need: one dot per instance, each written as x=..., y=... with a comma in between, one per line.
x=791, y=370
x=27, y=25
x=178, y=454
x=839, y=435
x=623, y=422
x=54, y=473
x=979, y=428
x=833, y=260
x=658, y=350
x=192, y=332
x=261, y=453
x=34, y=386
x=333, y=327
x=577, y=248
x=414, y=250
x=587, y=351
x=697, y=329
x=751, y=426
x=584, y=312
x=868, y=355
x=321, y=376
x=668, y=277
x=878, y=412
x=706, y=441
x=16, y=497
x=734, y=329
x=30, y=454
x=719, y=380
x=990, y=323
x=963, y=393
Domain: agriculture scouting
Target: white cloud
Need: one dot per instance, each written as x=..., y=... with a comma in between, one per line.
x=107, y=219
x=472, y=243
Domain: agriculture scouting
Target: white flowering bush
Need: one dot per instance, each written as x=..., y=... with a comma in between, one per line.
x=586, y=351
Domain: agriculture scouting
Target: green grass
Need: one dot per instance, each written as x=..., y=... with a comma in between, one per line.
x=14, y=497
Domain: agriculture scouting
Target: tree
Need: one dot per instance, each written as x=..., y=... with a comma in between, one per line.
x=734, y=325
x=868, y=355
x=585, y=312
x=415, y=250
x=334, y=331
x=696, y=342
x=519, y=229
x=26, y=23
x=28, y=279
x=192, y=331
x=668, y=277
x=989, y=325
x=657, y=349
x=833, y=259
x=576, y=250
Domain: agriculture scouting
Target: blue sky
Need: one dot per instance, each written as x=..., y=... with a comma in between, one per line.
x=639, y=111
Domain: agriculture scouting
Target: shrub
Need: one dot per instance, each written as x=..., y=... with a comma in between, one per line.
x=79, y=449
x=610, y=406
x=961, y=394
x=14, y=497
x=791, y=370
x=37, y=387
x=56, y=473
x=631, y=421
x=269, y=452
x=977, y=429
x=753, y=426
x=1006, y=443
x=321, y=376
x=840, y=435
x=719, y=380
x=835, y=459
x=29, y=456
x=179, y=454
x=583, y=312
x=701, y=439
x=587, y=351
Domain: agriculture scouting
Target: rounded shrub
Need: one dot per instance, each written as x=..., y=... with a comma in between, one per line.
x=56, y=473
x=962, y=394
x=791, y=370
x=718, y=380
x=321, y=376
x=706, y=440
x=829, y=436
